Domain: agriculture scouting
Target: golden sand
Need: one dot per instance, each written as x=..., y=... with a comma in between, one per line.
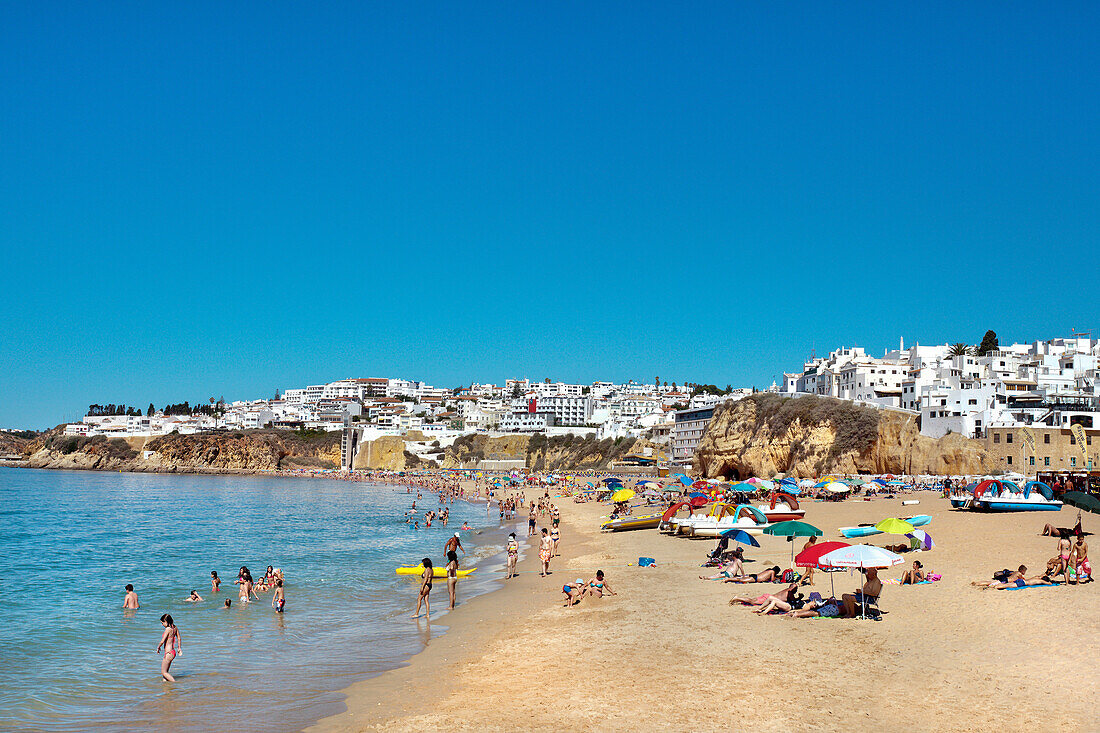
x=668, y=652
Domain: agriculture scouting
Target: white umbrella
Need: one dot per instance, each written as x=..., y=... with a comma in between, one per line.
x=806, y=483
x=837, y=487
x=860, y=556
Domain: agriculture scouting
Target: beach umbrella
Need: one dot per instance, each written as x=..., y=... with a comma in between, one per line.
x=683, y=478
x=700, y=500
x=622, y=495
x=740, y=535
x=744, y=487
x=856, y=482
x=792, y=529
x=860, y=556
x=894, y=526
x=1082, y=500
x=811, y=557
x=920, y=540
x=651, y=485
x=696, y=495
x=651, y=492
x=611, y=480
x=836, y=487
x=806, y=483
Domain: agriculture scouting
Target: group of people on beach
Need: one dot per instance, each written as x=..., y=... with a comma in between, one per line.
x=1071, y=563
x=247, y=588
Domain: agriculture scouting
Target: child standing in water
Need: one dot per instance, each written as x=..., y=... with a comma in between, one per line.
x=215, y=581
x=278, y=601
x=170, y=640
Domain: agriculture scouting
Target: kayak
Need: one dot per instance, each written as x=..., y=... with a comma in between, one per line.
x=437, y=572
x=645, y=521
x=869, y=529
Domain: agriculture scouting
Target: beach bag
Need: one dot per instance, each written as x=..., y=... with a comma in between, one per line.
x=645, y=562
x=790, y=576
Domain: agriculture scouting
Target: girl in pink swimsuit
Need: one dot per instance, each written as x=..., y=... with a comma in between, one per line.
x=170, y=640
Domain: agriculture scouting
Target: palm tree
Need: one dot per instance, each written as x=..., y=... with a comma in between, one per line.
x=959, y=350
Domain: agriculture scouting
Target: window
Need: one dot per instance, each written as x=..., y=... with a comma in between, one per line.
x=1046, y=438
x=1008, y=437
x=1010, y=460
x=996, y=437
x=1046, y=460
x=1073, y=460
x=1031, y=460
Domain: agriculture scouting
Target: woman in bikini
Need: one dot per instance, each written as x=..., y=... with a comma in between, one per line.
x=555, y=537
x=546, y=551
x=452, y=575
x=771, y=575
x=215, y=581
x=513, y=555
x=598, y=586
x=425, y=589
x=170, y=640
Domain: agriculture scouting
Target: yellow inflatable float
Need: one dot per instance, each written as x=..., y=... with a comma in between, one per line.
x=437, y=572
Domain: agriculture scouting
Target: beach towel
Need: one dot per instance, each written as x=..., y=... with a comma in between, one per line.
x=1025, y=587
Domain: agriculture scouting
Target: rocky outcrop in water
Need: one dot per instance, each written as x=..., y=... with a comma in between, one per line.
x=765, y=435
x=232, y=452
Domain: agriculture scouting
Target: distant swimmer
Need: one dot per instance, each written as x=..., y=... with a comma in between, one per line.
x=465, y=526
x=170, y=640
x=453, y=544
x=194, y=597
x=215, y=581
x=278, y=601
x=228, y=604
x=131, y=599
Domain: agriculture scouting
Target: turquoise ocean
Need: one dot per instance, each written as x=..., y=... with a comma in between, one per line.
x=72, y=659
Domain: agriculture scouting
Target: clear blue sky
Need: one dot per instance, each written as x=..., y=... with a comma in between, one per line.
x=224, y=199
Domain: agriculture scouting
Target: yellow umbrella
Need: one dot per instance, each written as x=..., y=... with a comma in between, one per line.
x=894, y=526
x=627, y=494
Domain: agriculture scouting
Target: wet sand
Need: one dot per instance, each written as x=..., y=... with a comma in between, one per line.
x=669, y=652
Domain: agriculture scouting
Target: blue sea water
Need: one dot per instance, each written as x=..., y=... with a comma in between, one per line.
x=71, y=658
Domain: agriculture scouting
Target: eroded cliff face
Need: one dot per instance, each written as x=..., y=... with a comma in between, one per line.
x=243, y=452
x=765, y=435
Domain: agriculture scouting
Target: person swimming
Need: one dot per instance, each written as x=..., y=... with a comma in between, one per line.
x=194, y=597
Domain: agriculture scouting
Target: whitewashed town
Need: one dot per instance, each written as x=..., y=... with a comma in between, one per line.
x=983, y=391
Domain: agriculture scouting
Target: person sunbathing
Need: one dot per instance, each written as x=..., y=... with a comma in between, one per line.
x=794, y=602
x=783, y=595
x=915, y=575
x=730, y=570
x=771, y=575
x=825, y=608
x=1005, y=577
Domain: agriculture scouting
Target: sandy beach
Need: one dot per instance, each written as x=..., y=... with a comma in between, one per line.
x=668, y=651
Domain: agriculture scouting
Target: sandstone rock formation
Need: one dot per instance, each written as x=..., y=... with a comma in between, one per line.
x=765, y=435
x=234, y=452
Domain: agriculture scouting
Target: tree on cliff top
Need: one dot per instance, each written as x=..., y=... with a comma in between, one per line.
x=989, y=343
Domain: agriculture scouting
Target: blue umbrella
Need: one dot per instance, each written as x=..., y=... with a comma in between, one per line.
x=740, y=535
x=695, y=494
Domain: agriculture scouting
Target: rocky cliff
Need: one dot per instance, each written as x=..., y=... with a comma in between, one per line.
x=564, y=452
x=244, y=452
x=811, y=436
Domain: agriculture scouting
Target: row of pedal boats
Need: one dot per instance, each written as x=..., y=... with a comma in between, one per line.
x=994, y=495
x=714, y=519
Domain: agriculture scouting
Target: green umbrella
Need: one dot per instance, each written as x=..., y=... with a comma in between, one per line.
x=795, y=529
x=1081, y=500
x=792, y=529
